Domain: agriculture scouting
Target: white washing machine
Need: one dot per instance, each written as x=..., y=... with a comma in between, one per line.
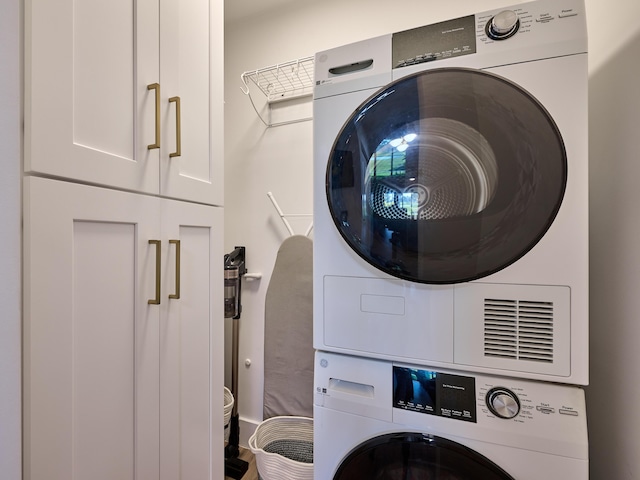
x=391, y=421
x=450, y=194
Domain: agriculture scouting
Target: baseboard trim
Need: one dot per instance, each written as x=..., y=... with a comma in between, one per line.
x=247, y=428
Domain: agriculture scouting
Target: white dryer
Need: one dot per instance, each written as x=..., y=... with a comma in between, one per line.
x=450, y=194
x=389, y=421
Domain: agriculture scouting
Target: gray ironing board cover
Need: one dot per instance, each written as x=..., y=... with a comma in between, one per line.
x=288, y=332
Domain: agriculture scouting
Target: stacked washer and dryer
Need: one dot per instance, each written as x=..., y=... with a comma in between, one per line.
x=451, y=250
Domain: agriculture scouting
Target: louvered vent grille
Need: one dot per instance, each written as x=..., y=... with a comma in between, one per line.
x=518, y=329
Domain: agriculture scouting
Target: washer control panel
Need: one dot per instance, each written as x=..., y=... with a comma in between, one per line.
x=389, y=396
x=525, y=401
x=479, y=398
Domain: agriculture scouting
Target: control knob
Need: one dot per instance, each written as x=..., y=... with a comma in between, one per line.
x=503, y=25
x=503, y=402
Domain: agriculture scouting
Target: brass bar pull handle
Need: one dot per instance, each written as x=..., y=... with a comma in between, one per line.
x=177, y=153
x=177, y=244
x=156, y=87
x=156, y=301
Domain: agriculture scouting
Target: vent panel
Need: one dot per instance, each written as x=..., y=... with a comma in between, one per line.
x=519, y=330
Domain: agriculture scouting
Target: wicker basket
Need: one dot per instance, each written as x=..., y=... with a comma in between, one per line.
x=228, y=408
x=283, y=447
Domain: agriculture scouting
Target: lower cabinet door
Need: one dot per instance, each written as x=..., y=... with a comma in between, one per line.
x=91, y=340
x=191, y=344
x=121, y=382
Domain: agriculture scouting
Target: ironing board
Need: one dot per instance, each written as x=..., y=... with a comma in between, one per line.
x=288, y=350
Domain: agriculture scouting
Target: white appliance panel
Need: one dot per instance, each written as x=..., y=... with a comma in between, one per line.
x=415, y=323
x=513, y=328
x=359, y=309
x=547, y=438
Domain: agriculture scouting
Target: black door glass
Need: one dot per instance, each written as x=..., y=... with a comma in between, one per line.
x=414, y=456
x=446, y=176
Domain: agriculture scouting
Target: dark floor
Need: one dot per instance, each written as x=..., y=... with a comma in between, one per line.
x=247, y=456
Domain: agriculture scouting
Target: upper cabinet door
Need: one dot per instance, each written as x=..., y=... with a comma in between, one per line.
x=127, y=94
x=89, y=114
x=191, y=60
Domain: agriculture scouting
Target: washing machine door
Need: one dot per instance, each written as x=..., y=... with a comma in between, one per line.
x=413, y=456
x=446, y=176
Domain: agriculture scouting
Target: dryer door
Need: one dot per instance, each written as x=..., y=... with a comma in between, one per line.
x=446, y=176
x=412, y=456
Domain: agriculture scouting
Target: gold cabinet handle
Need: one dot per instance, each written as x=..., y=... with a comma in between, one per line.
x=156, y=301
x=156, y=87
x=177, y=153
x=177, y=244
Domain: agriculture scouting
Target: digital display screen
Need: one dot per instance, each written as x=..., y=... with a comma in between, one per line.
x=433, y=393
x=442, y=40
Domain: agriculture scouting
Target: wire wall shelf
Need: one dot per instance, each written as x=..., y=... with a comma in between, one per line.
x=282, y=81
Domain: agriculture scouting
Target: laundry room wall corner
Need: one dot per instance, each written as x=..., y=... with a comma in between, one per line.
x=613, y=394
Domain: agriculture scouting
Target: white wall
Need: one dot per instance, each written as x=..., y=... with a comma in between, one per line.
x=279, y=160
x=10, y=300
x=613, y=397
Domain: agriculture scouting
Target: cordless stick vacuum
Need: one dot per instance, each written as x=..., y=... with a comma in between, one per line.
x=234, y=269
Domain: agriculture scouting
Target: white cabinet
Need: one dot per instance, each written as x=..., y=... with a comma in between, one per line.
x=90, y=112
x=191, y=344
x=116, y=386
x=126, y=95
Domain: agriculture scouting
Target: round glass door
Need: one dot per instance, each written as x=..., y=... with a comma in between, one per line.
x=446, y=176
x=413, y=456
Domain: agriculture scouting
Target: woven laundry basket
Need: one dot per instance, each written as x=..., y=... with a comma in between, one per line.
x=283, y=447
x=228, y=408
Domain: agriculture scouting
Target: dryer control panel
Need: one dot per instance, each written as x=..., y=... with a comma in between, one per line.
x=451, y=38
x=523, y=32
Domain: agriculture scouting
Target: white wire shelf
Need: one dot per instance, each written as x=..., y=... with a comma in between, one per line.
x=282, y=81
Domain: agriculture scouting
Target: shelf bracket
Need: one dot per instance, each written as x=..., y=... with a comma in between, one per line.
x=284, y=216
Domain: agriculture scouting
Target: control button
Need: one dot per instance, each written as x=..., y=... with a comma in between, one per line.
x=564, y=411
x=567, y=13
x=503, y=25
x=544, y=18
x=546, y=410
x=503, y=402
